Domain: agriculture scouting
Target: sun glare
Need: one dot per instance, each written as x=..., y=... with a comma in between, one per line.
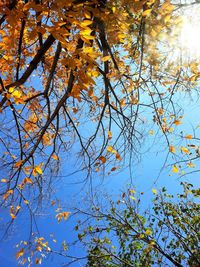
x=189, y=34
x=190, y=37
x=184, y=39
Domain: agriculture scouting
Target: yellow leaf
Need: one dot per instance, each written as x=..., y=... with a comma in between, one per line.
x=154, y=191
x=26, y=202
x=3, y=180
x=151, y=132
x=170, y=130
x=11, y=90
x=148, y=232
x=86, y=32
x=190, y=165
x=167, y=18
x=121, y=36
x=109, y=134
x=6, y=58
x=20, y=253
x=132, y=191
x=87, y=37
x=12, y=216
x=172, y=149
x=106, y=58
x=86, y=23
x=167, y=6
x=175, y=169
x=185, y=150
x=16, y=94
x=113, y=9
x=146, y=13
x=87, y=14
x=109, y=148
x=189, y=136
x=133, y=198
x=38, y=170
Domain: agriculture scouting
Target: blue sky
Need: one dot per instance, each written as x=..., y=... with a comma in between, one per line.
x=144, y=173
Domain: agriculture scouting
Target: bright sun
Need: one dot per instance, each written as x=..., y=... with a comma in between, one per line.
x=184, y=40
x=190, y=37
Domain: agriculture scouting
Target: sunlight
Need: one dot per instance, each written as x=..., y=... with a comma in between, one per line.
x=190, y=37
x=184, y=39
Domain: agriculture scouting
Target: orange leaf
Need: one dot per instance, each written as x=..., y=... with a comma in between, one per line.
x=177, y=122
x=189, y=136
x=54, y=156
x=118, y=157
x=7, y=194
x=38, y=261
x=20, y=253
x=172, y=149
x=18, y=164
x=62, y=215
x=27, y=180
x=53, y=203
x=65, y=215
x=103, y=159
x=12, y=216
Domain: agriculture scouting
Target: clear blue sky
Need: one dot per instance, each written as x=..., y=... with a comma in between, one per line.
x=145, y=173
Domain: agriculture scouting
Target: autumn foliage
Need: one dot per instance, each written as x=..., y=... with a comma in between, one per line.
x=81, y=74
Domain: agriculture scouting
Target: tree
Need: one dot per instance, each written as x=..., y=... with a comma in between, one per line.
x=64, y=63
x=99, y=65
x=165, y=235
